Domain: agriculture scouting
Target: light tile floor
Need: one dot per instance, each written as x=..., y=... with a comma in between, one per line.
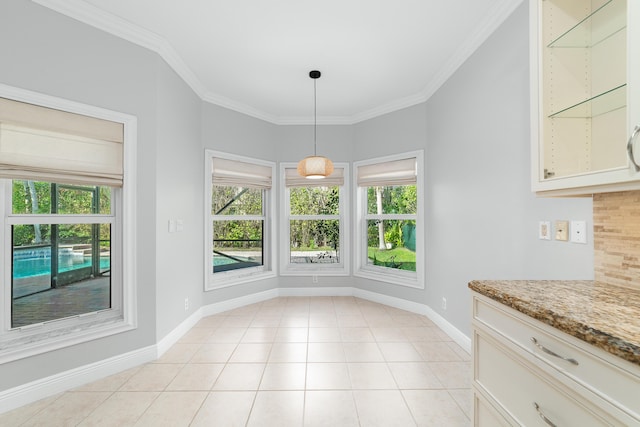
x=321, y=361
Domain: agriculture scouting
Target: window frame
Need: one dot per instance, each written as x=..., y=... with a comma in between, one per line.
x=18, y=343
x=385, y=274
x=287, y=268
x=267, y=270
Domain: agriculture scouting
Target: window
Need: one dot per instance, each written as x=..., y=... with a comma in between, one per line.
x=239, y=219
x=61, y=242
x=313, y=223
x=67, y=218
x=390, y=219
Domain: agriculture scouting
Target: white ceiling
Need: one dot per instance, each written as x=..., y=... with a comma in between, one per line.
x=254, y=56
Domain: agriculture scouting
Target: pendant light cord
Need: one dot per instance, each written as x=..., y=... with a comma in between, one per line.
x=315, y=117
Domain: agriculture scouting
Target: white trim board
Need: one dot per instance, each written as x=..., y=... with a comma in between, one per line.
x=96, y=17
x=63, y=381
x=454, y=333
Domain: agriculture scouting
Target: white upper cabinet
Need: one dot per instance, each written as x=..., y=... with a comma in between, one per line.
x=585, y=96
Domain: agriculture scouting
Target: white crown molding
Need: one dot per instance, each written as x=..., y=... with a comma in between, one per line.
x=501, y=10
x=95, y=17
x=109, y=23
x=224, y=102
x=398, y=104
x=322, y=120
x=498, y=14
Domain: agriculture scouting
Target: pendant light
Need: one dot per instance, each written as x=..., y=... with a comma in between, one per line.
x=315, y=167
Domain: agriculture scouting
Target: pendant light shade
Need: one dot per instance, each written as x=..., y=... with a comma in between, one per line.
x=315, y=167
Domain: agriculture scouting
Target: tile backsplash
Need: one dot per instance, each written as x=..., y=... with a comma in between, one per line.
x=616, y=238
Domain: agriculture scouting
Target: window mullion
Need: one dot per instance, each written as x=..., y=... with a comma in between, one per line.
x=59, y=219
x=390, y=216
x=238, y=217
x=313, y=217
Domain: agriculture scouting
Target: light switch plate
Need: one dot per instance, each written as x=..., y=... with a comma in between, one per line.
x=579, y=231
x=562, y=230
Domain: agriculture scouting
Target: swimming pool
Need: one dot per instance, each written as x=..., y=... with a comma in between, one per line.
x=29, y=267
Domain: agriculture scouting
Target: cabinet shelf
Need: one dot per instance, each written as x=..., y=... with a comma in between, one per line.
x=601, y=24
x=602, y=103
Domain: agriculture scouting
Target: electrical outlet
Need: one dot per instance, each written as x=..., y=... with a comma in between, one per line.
x=544, y=230
x=562, y=230
x=314, y=279
x=444, y=303
x=186, y=304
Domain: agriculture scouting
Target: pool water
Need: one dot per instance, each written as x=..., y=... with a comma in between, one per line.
x=42, y=266
x=221, y=260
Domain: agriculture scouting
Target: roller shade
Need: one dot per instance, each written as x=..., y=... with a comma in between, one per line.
x=240, y=174
x=293, y=179
x=44, y=144
x=397, y=172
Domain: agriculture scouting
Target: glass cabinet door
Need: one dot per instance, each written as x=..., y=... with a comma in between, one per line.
x=584, y=87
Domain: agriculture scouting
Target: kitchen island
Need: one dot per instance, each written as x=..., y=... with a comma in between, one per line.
x=560, y=352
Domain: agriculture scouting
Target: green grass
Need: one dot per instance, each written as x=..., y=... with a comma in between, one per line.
x=401, y=258
x=385, y=255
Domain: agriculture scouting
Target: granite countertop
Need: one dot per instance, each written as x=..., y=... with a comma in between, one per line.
x=603, y=315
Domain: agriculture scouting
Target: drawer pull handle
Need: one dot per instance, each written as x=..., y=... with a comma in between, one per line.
x=543, y=416
x=635, y=165
x=551, y=353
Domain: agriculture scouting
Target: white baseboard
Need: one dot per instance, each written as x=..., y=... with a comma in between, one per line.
x=454, y=333
x=219, y=307
x=316, y=292
x=63, y=381
x=39, y=389
x=172, y=337
x=400, y=303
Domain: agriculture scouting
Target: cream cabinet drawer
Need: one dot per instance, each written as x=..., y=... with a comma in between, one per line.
x=529, y=396
x=607, y=380
x=485, y=415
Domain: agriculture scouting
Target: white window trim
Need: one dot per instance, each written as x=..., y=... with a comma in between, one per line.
x=245, y=275
x=318, y=269
x=36, y=339
x=389, y=275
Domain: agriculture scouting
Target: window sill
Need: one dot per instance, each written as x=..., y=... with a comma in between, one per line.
x=314, y=270
x=395, y=278
x=20, y=344
x=225, y=282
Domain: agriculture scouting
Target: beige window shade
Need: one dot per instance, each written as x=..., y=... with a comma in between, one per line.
x=43, y=144
x=240, y=174
x=293, y=179
x=397, y=172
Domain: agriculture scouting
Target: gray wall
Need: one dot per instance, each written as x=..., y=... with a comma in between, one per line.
x=46, y=52
x=179, y=188
x=235, y=133
x=296, y=142
x=397, y=132
x=481, y=217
